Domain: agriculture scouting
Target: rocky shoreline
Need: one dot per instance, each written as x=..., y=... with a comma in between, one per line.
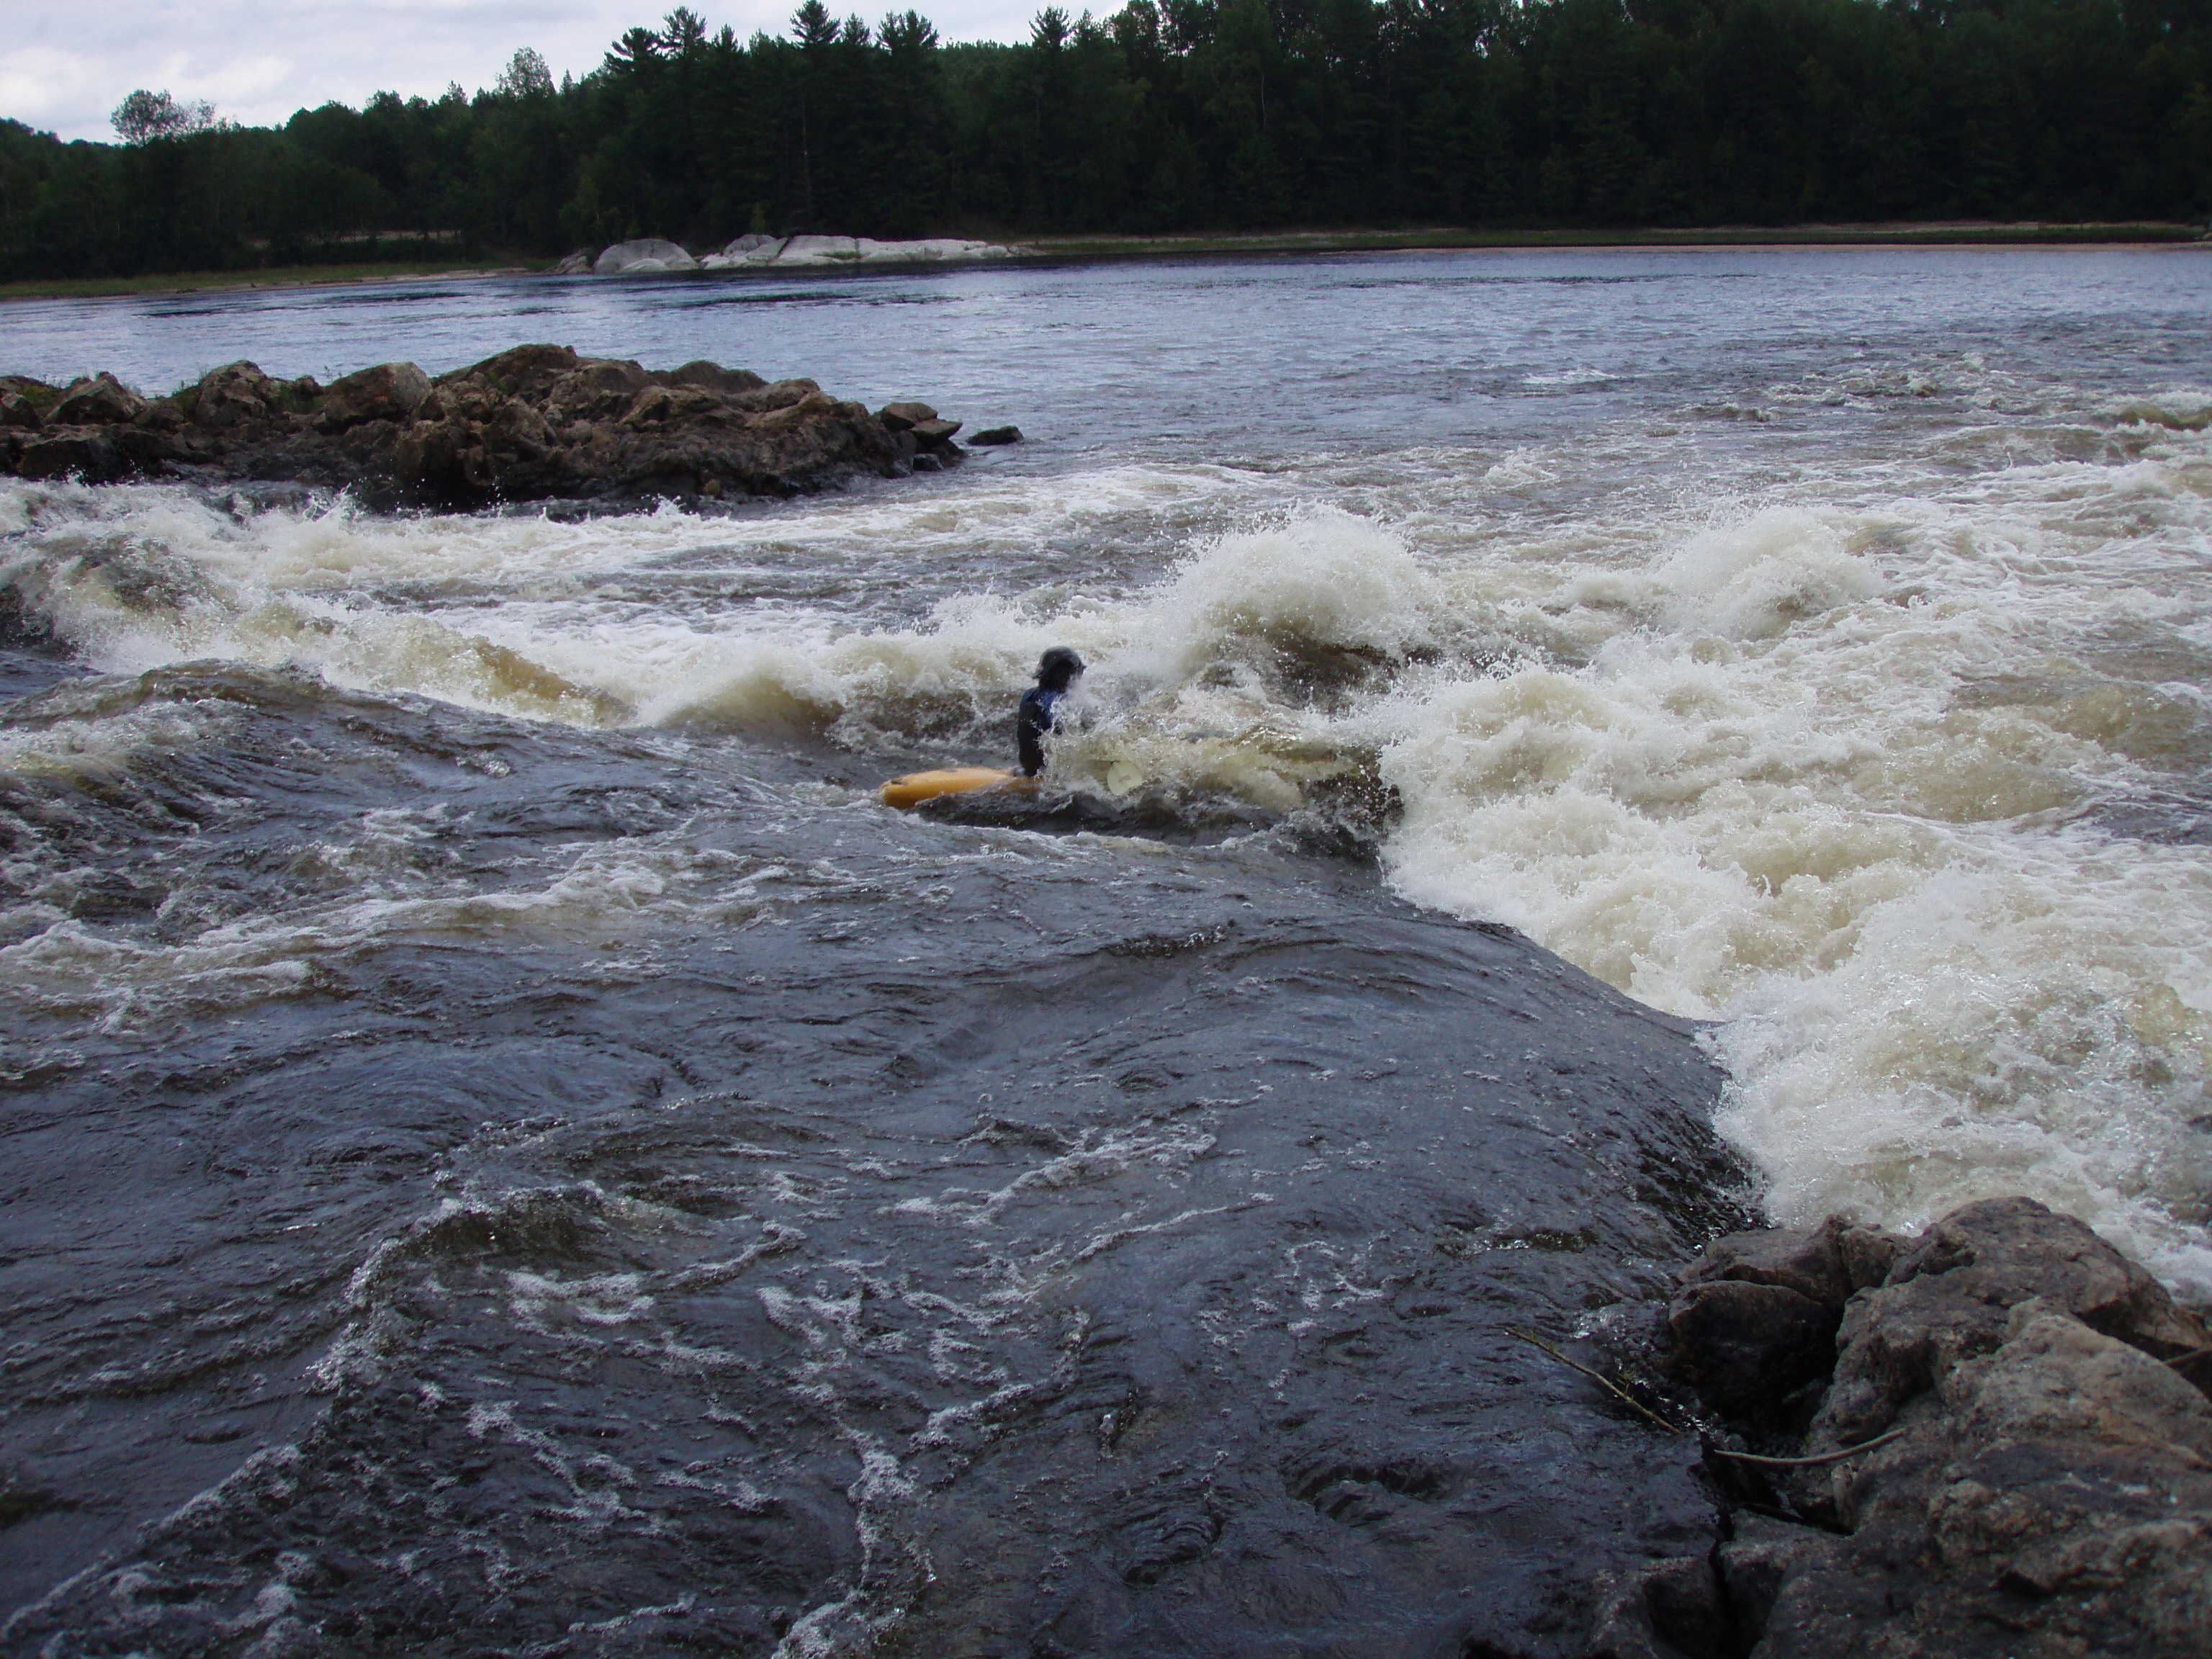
x=1996, y=1442
x=654, y=255
x=535, y=423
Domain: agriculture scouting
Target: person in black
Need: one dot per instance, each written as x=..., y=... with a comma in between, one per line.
x=1057, y=672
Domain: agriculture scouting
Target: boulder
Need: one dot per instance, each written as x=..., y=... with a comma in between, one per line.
x=594, y=391
x=819, y=250
x=997, y=434
x=1948, y=1298
x=162, y=415
x=934, y=434
x=901, y=417
x=2046, y=1483
x=1830, y=1263
x=19, y=411
x=646, y=255
x=388, y=392
x=236, y=394
x=752, y=243
x=88, y=454
x=712, y=377
x=2053, y=1496
x=101, y=400
x=575, y=264
x=1748, y=1348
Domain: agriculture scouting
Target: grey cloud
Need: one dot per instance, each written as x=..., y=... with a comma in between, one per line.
x=63, y=64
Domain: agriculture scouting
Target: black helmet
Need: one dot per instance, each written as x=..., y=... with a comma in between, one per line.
x=1057, y=668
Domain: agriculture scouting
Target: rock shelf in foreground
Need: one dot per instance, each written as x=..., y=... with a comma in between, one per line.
x=534, y=422
x=2038, y=1476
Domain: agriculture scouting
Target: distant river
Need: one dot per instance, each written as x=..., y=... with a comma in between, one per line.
x=1816, y=643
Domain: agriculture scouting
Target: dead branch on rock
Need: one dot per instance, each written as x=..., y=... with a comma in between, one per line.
x=1807, y=1462
x=1603, y=1380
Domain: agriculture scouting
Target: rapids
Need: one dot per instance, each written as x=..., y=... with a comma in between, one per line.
x=465, y=1008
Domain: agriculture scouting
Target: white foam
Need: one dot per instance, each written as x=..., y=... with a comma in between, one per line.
x=1820, y=774
x=1826, y=762
x=1568, y=377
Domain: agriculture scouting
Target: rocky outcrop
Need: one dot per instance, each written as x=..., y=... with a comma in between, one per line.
x=2007, y=1449
x=651, y=255
x=535, y=423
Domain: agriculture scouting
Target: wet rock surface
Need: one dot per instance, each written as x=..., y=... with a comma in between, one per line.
x=2037, y=1470
x=684, y=1209
x=532, y=424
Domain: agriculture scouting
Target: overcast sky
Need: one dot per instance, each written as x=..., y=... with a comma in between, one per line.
x=65, y=63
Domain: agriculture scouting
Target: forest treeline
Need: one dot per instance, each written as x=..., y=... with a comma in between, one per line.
x=1183, y=115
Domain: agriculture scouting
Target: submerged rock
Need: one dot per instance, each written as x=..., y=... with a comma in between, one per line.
x=2037, y=1475
x=533, y=423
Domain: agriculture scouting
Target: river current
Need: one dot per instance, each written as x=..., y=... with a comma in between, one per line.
x=458, y=976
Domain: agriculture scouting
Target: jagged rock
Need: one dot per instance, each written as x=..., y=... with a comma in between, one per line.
x=535, y=421
x=240, y=394
x=389, y=392
x=90, y=455
x=1672, y=1607
x=1758, y=1557
x=2052, y=1496
x=19, y=411
x=1755, y=1321
x=901, y=417
x=997, y=434
x=100, y=401
x=1830, y=1263
x=712, y=377
x=2047, y=1488
x=1947, y=1299
x=1749, y=1348
x=40, y=395
x=648, y=254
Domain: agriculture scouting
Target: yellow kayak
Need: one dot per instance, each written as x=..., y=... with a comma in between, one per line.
x=917, y=787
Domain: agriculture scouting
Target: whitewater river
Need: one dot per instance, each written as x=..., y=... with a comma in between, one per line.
x=507, y=1136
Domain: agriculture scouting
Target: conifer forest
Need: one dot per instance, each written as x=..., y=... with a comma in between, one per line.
x=1178, y=115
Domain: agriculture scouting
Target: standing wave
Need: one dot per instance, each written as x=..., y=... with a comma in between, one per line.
x=1909, y=793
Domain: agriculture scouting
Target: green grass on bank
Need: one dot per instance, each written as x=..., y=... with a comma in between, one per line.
x=1948, y=235
x=190, y=281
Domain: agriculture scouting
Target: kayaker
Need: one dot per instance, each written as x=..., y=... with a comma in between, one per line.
x=1058, y=670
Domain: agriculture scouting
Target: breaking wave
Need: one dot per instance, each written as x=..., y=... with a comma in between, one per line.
x=1896, y=773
